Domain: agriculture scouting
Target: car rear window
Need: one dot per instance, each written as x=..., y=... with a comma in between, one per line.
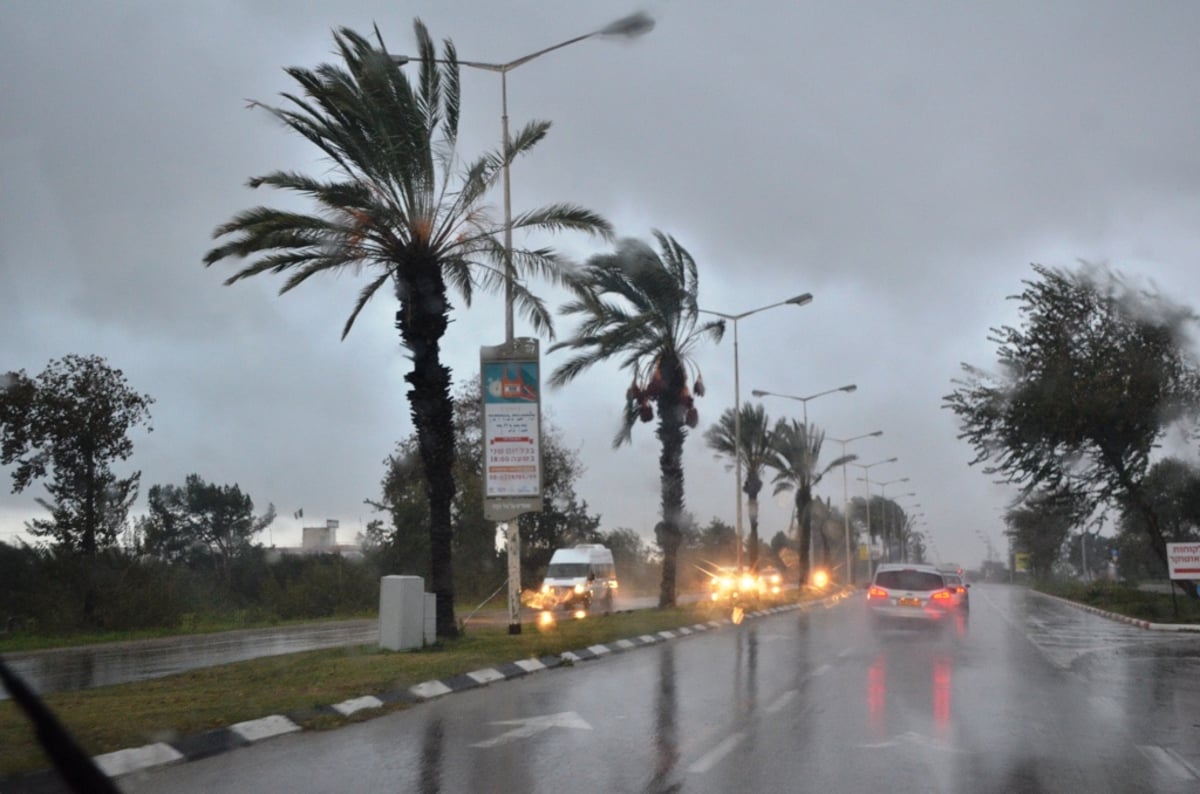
x=909, y=580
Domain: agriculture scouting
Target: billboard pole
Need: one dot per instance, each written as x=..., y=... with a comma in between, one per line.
x=510, y=386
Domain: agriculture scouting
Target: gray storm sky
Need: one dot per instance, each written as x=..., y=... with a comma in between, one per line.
x=904, y=162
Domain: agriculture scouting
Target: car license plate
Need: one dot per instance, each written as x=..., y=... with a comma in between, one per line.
x=910, y=602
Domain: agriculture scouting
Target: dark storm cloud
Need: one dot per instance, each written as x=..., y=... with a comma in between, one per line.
x=903, y=162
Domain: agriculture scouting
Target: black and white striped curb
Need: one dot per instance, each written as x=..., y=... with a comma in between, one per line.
x=243, y=734
x=1143, y=624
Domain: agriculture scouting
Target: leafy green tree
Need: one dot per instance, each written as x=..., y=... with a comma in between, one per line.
x=755, y=448
x=795, y=456
x=201, y=521
x=397, y=204
x=1172, y=488
x=1041, y=526
x=640, y=306
x=1097, y=373
x=718, y=543
x=69, y=424
x=563, y=521
x=915, y=547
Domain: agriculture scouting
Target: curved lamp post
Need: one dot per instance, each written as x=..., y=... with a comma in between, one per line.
x=847, y=388
x=846, y=499
x=628, y=27
x=797, y=300
x=866, y=467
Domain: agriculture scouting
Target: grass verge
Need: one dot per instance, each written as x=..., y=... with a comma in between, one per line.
x=1126, y=600
x=131, y=715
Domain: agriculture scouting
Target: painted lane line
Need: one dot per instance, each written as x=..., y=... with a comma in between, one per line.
x=348, y=707
x=820, y=671
x=1169, y=761
x=265, y=728
x=781, y=702
x=122, y=762
x=844, y=652
x=713, y=756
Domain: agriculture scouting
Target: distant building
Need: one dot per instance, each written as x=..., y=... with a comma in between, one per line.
x=319, y=540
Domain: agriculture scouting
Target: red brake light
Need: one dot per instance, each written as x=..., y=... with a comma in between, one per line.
x=876, y=592
x=941, y=595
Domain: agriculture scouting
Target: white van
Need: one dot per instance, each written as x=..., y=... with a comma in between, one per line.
x=579, y=576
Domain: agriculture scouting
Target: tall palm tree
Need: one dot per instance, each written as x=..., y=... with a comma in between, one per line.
x=394, y=200
x=639, y=306
x=795, y=453
x=755, y=448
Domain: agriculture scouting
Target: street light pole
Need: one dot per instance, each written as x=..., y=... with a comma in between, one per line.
x=804, y=401
x=630, y=26
x=797, y=300
x=846, y=500
x=883, y=495
x=847, y=388
x=866, y=467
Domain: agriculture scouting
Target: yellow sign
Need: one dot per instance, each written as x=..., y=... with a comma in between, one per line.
x=1021, y=562
x=864, y=552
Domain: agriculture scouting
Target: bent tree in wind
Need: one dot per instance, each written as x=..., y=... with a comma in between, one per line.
x=394, y=202
x=1098, y=372
x=640, y=306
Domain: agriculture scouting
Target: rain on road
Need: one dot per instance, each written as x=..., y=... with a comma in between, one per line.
x=1031, y=695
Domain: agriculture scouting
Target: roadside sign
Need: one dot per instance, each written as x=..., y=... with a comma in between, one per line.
x=1183, y=560
x=512, y=479
x=1021, y=562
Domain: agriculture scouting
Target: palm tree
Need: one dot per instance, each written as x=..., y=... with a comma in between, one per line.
x=755, y=448
x=641, y=307
x=795, y=451
x=393, y=201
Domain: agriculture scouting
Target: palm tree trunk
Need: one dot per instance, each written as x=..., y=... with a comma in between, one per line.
x=422, y=323
x=671, y=434
x=803, y=509
x=752, y=509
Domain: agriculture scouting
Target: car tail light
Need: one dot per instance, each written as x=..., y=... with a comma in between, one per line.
x=941, y=595
x=876, y=592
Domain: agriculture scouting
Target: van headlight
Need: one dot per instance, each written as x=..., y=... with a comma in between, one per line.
x=579, y=588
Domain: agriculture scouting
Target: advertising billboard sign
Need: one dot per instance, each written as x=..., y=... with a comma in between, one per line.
x=512, y=449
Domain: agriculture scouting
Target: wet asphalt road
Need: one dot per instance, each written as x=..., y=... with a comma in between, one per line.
x=1029, y=696
x=84, y=667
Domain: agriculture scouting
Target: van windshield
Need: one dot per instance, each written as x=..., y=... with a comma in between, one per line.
x=567, y=570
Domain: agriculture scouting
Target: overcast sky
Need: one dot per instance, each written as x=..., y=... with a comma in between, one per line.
x=904, y=162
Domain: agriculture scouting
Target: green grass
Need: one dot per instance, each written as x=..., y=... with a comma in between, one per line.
x=132, y=715
x=190, y=625
x=1126, y=600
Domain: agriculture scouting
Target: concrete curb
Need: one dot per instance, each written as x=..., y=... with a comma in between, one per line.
x=1141, y=624
x=243, y=734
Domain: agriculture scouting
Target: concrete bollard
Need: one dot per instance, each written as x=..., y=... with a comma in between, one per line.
x=402, y=601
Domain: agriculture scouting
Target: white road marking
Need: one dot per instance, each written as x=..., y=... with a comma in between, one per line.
x=486, y=676
x=1170, y=761
x=530, y=665
x=781, y=702
x=430, y=689
x=532, y=726
x=265, y=728
x=122, y=762
x=713, y=756
x=348, y=707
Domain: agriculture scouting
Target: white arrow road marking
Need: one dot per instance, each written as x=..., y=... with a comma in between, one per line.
x=532, y=726
x=913, y=738
x=709, y=759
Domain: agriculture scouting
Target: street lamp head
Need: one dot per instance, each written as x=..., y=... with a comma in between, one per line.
x=760, y=393
x=876, y=434
x=400, y=60
x=801, y=300
x=637, y=24
x=850, y=388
